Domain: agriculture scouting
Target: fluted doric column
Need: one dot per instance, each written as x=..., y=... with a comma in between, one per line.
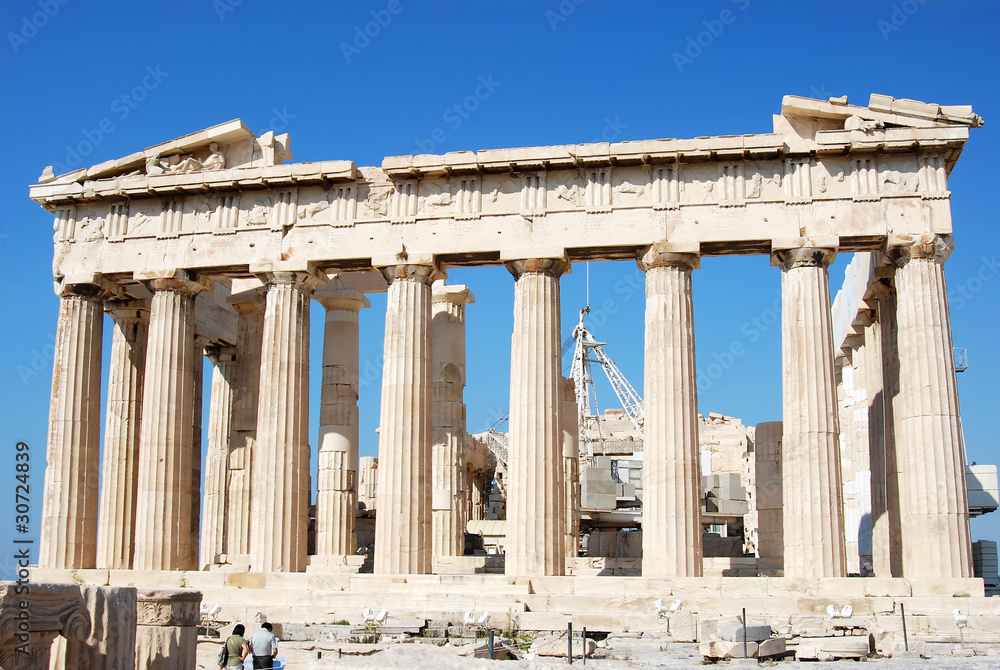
x=872, y=363
x=448, y=432
x=813, y=524
x=336, y=497
x=120, y=467
x=164, y=505
x=671, y=510
x=248, y=301
x=535, y=542
x=403, y=523
x=885, y=293
x=198, y=383
x=279, y=496
x=571, y=466
x=70, y=503
x=220, y=410
x=935, y=526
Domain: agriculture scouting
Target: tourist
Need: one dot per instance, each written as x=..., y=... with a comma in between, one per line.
x=237, y=648
x=264, y=647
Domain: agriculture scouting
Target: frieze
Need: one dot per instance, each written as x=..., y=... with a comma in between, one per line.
x=168, y=608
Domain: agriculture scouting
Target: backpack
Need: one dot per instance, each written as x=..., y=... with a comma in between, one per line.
x=224, y=655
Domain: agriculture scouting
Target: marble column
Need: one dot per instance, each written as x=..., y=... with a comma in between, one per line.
x=336, y=497
x=932, y=487
x=874, y=379
x=220, y=410
x=853, y=378
x=197, y=378
x=279, y=496
x=70, y=503
x=448, y=431
x=120, y=466
x=535, y=526
x=767, y=474
x=886, y=295
x=163, y=507
x=403, y=525
x=811, y=486
x=571, y=467
x=248, y=301
x=671, y=509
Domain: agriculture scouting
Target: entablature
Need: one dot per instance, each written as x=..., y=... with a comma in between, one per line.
x=202, y=204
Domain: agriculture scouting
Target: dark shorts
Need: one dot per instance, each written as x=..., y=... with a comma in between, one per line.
x=263, y=662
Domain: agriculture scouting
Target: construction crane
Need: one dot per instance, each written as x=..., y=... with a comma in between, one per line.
x=588, y=350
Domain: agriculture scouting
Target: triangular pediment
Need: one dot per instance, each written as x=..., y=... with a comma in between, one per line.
x=226, y=145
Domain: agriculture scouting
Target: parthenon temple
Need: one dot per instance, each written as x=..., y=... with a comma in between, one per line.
x=213, y=246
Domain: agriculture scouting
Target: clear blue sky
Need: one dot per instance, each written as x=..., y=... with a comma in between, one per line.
x=559, y=73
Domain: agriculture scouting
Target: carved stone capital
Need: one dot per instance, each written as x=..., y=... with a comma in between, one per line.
x=341, y=299
x=901, y=249
x=669, y=254
x=302, y=275
x=128, y=310
x=168, y=607
x=423, y=273
x=554, y=267
x=91, y=286
x=220, y=353
x=179, y=281
x=59, y=609
x=803, y=257
x=456, y=294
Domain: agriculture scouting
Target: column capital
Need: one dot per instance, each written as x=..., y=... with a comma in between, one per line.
x=553, y=267
x=304, y=275
x=686, y=255
x=423, y=273
x=342, y=299
x=804, y=253
x=178, y=280
x=901, y=249
x=88, y=285
x=247, y=296
x=128, y=310
x=456, y=294
x=218, y=352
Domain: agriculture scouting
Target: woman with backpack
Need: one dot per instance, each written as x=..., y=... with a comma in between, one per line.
x=235, y=649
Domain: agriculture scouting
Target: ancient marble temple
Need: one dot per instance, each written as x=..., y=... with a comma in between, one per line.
x=214, y=246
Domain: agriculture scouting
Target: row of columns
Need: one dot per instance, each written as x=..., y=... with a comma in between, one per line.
x=906, y=419
x=260, y=411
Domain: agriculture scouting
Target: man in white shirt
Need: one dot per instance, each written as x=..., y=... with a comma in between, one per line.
x=264, y=647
